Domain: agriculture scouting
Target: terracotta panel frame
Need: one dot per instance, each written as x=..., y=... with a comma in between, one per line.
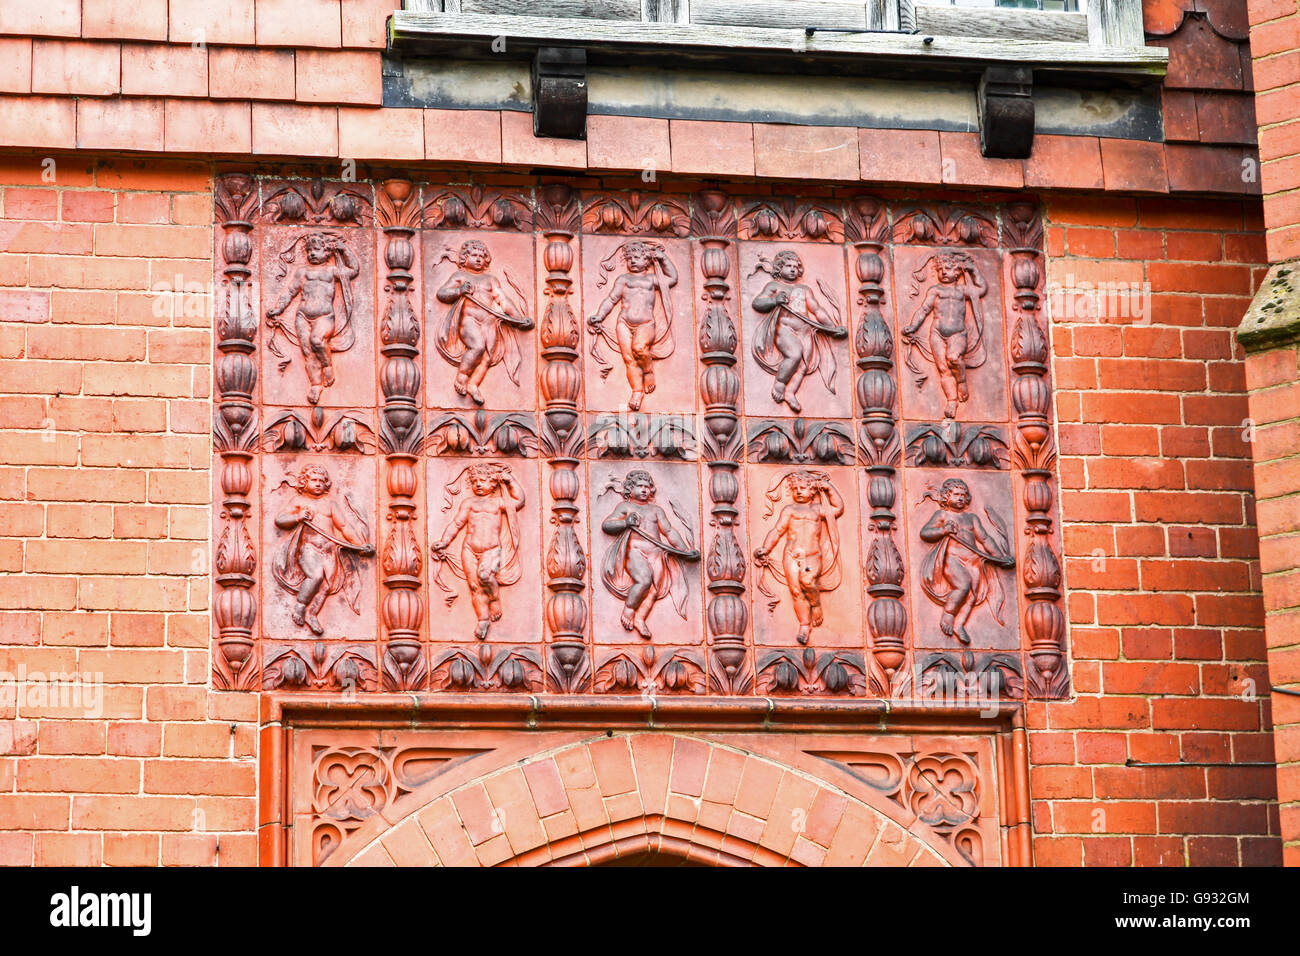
x=872, y=263
x=813, y=741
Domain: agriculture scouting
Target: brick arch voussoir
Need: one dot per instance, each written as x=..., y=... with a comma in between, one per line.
x=596, y=800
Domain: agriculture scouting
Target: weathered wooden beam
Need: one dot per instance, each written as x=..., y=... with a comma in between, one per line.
x=560, y=92
x=1005, y=101
x=779, y=14
x=767, y=49
x=1005, y=24
x=568, y=9
x=665, y=11
x=1115, y=23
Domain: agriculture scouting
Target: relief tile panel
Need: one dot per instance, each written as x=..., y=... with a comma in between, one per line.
x=527, y=438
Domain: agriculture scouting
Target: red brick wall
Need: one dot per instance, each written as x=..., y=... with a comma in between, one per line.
x=1166, y=619
x=1275, y=48
x=105, y=489
x=1275, y=408
x=1275, y=396
x=104, y=402
x=104, y=526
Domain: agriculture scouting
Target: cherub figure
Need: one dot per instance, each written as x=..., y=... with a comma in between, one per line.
x=959, y=572
x=956, y=339
x=644, y=564
x=489, y=553
x=316, y=329
x=481, y=328
x=320, y=556
x=792, y=338
x=644, y=332
x=810, y=563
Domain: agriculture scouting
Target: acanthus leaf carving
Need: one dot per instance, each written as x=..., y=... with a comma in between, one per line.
x=801, y=442
x=944, y=226
x=477, y=207
x=639, y=435
x=835, y=673
x=636, y=213
x=511, y=434
x=318, y=202
x=782, y=218
x=679, y=672
x=510, y=669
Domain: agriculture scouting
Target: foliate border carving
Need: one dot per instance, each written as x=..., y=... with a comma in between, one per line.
x=1035, y=455
x=404, y=664
x=235, y=436
x=562, y=441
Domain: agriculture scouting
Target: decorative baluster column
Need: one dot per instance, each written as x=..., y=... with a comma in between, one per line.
x=868, y=227
x=568, y=664
x=1035, y=454
x=234, y=666
x=400, y=439
x=728, y=616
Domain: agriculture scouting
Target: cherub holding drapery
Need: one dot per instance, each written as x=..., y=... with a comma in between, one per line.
x=644, y=334
x=320, y=557
x=810, y=563
x=960, y=572
x=489, y=554
x=481, y=328
x=644, y=564
x=952, y=306
x=793, y=337
x=317, y=329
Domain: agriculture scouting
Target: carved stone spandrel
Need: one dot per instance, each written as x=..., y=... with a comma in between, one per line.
x=795, y=330
x=640, y=342
x=961, y=538
x=803, y=536
x=480, y=317
x=319, y=533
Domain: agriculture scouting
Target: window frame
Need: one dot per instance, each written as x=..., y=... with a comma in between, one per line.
x=1106, y=23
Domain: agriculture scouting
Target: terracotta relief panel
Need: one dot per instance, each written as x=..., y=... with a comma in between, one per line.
x=795, y=330
x=526, y=438
x=485, y=548
x=480, y=296
x=640, y=317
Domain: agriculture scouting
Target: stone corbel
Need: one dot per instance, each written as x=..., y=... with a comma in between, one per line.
x=1006, y=112
x=560, y=92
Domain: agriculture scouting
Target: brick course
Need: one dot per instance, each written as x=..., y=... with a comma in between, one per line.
x=105, y=408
